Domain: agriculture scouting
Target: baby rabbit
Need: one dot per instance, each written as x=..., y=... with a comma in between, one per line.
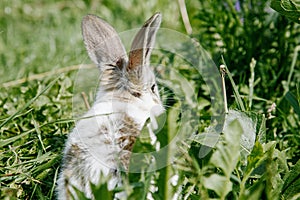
x=102, y=141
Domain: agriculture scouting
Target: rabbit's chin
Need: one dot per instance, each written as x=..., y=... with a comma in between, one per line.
x=138, y=109
x=140, y=115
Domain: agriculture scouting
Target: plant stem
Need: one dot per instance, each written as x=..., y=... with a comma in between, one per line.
x=185, y=17
x=223, y=72
x=251, y=81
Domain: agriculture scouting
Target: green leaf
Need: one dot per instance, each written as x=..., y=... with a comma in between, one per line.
x=254, y=159
x=142, y=187
x=265, y=163
x=254, y=192
x=291, y=186
x=237, y=95
x=101, y=191
x=220, y=184
x=260, y=127
x=248, y=129
x=228, y=151
x=207, y=139
x=290, y=97
x=79, y=195
x=288, y=8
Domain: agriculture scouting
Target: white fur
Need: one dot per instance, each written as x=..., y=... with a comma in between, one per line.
x=102, y=140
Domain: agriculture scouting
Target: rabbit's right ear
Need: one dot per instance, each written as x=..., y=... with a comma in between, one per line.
x=143, y=43
x=102, y=42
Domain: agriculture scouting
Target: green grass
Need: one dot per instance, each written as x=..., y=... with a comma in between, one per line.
x=40, y=43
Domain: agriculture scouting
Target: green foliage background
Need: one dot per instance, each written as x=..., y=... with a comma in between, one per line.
x=36, y=114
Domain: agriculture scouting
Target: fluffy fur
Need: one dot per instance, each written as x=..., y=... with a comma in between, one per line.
x=102, y=141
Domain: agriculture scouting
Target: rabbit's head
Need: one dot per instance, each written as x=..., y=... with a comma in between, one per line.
x=124, y=79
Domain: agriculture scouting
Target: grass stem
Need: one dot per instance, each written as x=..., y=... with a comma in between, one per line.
x=46, y=74
x=185, y=17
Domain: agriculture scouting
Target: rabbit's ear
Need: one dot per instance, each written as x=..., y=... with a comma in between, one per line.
x=102, y=42
x=143, y=43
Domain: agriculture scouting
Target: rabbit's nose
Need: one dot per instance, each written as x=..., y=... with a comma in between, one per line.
x=157, y=117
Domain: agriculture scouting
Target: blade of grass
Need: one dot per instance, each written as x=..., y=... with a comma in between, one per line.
x=48, y=73
x=296, y=50
x=237, y=95
x=12, y=139
x=291, y=98
x=38, y=131
x=185, y=17
x=54, y=182
x=34, y=189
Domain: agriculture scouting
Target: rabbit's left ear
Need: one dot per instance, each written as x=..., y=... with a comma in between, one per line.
x=102, y=42
x=143, y=43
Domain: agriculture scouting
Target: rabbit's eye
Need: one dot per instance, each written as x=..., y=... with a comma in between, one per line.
x=153, y=88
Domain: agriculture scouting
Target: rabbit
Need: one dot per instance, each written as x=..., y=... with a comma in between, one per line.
x=102, y=141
